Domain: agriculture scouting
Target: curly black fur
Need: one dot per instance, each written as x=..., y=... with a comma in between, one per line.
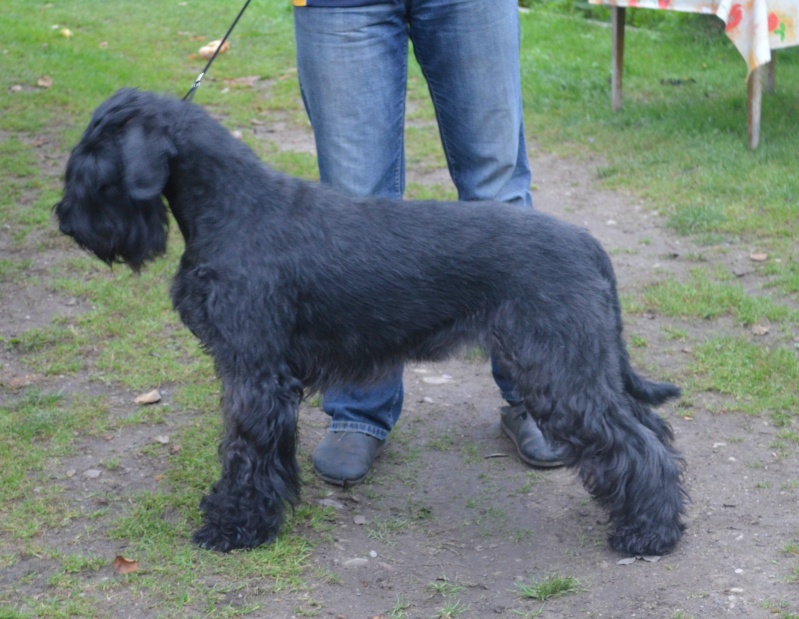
x=291, y=286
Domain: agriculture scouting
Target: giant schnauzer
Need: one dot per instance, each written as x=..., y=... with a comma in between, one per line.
x=293, y=286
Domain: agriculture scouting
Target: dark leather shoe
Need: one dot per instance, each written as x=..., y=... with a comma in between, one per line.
x=344, y=458
x=530, y=443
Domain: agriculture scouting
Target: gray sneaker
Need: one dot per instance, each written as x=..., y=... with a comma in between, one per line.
x=345, y=458
x=530, y=443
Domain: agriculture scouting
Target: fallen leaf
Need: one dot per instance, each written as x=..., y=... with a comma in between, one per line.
x=629, y=560
x=162, y=438
x=18, y=382
x=758, y=256
x=206, y=51
x=247, y=80
x=123, y=565
x=759, y=330
x=45, y=81
x=66, y=32
x=151, y=397
x=359, y=519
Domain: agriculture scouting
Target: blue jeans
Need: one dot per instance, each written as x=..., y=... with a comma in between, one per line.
x=353, y=64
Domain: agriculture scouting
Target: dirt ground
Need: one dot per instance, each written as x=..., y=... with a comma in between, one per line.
x=450, y=515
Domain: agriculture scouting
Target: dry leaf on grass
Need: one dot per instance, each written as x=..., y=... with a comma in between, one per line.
x=247, y=81
x=45, y=81
x=206, y=51
x=758, y=256
x=150, y=397
x=18, y=382
x=123, y=565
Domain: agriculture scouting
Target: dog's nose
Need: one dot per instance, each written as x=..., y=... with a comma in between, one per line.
x=65, y=228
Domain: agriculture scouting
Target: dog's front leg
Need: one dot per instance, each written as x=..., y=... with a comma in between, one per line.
x=259, y=468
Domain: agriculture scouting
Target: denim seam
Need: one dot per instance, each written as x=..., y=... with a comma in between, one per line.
x=399, y=166
x=357, y=426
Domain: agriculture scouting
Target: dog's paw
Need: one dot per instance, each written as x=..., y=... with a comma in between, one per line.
x=633, y=540
x=211, y=537
x=226, y=534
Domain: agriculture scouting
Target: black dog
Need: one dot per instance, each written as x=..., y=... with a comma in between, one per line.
x=292, y=286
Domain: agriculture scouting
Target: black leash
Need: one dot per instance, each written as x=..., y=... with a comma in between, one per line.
x=189, y=95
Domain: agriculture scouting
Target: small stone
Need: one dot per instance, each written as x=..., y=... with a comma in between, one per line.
x=356, y=562
x=91, y=474
x=331, y=503
x=437, y=380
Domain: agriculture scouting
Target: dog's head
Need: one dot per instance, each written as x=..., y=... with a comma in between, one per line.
x=112, y=204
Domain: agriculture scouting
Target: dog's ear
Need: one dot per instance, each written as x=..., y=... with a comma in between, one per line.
x=146, y=150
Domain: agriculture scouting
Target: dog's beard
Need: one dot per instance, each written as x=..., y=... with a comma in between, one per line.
x=131, y=235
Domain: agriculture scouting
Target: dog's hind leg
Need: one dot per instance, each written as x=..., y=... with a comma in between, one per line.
x=259, y=469
x=640, y=480
x=628, y=469
x=625, y=466
x=577, y=395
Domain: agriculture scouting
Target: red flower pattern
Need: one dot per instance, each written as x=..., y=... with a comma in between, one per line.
x=736, y=15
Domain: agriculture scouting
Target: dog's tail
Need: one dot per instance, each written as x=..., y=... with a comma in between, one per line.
x=640, y=388
x=644, y=390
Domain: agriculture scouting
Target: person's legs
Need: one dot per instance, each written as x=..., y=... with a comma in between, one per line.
x=469, y=54
x=352, y=66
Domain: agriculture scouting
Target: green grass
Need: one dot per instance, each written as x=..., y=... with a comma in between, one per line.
x=759, y=380
x=706, y=296
x=680, y=149
x=550, y=587
x=444, y=587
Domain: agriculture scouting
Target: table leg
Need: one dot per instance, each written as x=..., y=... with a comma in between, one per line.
x=754, y=99
x=617, y=28
x=769, y=82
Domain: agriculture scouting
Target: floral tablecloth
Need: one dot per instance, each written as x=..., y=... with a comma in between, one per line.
x=754, y=26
